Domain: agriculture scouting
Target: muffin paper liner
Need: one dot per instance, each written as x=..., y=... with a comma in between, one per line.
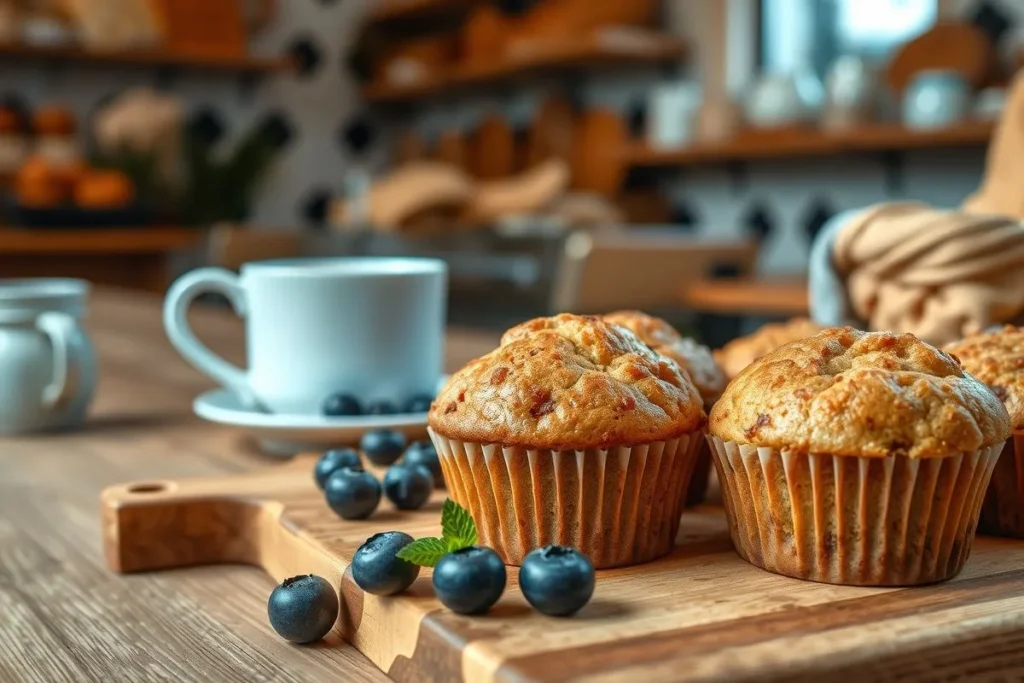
x=1002, y=513
x=849, y=520
x=619, y=506
x=697, y=491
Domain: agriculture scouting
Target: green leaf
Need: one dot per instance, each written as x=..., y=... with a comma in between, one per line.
x=424, y=551
x=458, y=530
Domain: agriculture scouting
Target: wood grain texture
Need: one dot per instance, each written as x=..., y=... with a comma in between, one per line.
x=700, y=614
x=66, y=616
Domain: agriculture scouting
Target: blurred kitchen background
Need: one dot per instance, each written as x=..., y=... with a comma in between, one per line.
x=673, y=155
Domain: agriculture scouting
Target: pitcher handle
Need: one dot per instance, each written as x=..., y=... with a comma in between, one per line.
x=61, y=329
x=180, y=296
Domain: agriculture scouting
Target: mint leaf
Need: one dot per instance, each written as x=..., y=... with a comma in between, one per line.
x=458, y=530
x=424, y=551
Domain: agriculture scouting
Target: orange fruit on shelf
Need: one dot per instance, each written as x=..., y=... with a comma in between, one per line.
x=104, y=190
x=37, y=184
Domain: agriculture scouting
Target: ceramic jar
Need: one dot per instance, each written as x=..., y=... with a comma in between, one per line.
x=935, y=99
x=46, y=359
x=781, y=100
x=849, y=94
x=674, y=108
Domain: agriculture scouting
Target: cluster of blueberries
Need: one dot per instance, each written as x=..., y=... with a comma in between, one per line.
x=347, y=405
x=555, y=580
x=354, y=493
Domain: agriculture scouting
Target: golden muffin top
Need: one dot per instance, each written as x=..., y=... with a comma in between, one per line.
x=735, y=356
x=996, y=357
x=695, y=358
x=855, y=393
x=568, y=382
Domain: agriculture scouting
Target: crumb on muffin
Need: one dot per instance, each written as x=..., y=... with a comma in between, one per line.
x=568, y=382
x=695, y=358
x=739, y=353
x=871, y=394
x=996, y=357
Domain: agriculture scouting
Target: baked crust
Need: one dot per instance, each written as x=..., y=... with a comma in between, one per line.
x=870, y=394
x=996, y=357
x=735, y=356
x=568, y=383
x=695, y=358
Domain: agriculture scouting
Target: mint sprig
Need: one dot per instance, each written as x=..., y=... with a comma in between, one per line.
x=458, y=531
x=424, y=551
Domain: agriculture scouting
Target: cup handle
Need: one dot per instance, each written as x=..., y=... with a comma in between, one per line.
x=180, y=296
x=61, y=329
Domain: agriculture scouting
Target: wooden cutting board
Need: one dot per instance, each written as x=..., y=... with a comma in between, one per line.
x=598, y=156
x=700, y=614
x=493, y=148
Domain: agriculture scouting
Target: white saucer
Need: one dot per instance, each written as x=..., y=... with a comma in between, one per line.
x=287, y=435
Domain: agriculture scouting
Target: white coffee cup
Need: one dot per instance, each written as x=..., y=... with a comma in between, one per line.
x=369, y=327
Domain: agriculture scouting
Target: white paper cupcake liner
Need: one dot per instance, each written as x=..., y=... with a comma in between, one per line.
x=619, y=506
x=1002, y=513
x=858, y=521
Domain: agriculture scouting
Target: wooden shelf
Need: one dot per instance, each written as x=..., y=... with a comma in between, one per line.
x=606, y=48
x=389, y=11
x=141, y=240
x=144, y=58
x=751, y=145
x=756, y=296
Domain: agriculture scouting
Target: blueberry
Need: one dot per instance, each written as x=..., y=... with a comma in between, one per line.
x=556, y=580
x=376, y=567
x=338, y=405
x=418, y=404
x=381, y=408
x=352, y=493
x=382, y=446
x=469, y=581
x=424, y=453
x=408, y=486
x=332, y=461
x=303, y=609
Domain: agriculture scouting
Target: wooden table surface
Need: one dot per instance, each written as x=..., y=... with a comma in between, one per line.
x=66, y=617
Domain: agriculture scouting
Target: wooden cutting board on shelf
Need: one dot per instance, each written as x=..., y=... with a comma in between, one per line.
x=493, y=148
x=702, y=613
x=598, y=162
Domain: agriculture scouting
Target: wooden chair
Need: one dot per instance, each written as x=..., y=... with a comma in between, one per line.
x=638, y=268
x=230, y=246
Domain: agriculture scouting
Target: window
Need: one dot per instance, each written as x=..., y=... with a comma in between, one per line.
x=815, y=32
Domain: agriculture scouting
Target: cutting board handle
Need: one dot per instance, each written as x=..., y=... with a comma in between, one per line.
x=164, y=524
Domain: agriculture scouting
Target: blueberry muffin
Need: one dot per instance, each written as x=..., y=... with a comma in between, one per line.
x=697, y=360
x=739, y=353
x=996, y=357
x=572, y=432
x=856, y=458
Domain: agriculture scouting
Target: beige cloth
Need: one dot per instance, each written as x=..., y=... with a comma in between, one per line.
x=937, y=274
x=1000, y=192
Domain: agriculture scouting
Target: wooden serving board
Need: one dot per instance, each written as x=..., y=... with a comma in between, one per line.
x=699, y=614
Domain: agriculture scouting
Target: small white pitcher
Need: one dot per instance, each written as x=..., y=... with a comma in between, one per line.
x=47, y=363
